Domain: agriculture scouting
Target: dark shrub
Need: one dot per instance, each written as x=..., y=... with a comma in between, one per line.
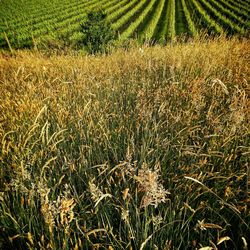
x=97, y=31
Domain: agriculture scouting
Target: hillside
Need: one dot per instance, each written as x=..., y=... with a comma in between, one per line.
x=27, y=23
x=146, y=148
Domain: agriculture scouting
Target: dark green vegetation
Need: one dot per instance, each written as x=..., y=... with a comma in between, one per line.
x=97, y=32
x=55, y=23
x=140, y=149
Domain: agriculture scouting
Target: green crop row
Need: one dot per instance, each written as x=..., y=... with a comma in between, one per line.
x=235, y=9
x=240, y=4
x=231, y=27
x=190, y=22
x=206, y=19
x=181, y=25
x=21, y=23
x=148, y=31
x=171, y=20
x=116, y=7
x=132, y=28
x=126, y=20
x=121, y=12
x=229, y=14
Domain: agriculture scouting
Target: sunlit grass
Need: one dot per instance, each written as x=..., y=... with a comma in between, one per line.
x=142, y=149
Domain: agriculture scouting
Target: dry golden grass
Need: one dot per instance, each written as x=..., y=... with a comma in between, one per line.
x=79, y=133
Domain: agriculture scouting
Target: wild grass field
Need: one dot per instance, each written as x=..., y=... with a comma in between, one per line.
x=145, y=148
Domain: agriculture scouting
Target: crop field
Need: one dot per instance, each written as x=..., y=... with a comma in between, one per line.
x=24, y=23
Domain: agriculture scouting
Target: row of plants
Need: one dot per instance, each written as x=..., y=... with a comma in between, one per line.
x=116, y=7
x=242, y=4
x=46, y=25
x=191, y=26
x=39, y=14
x=144, y=16
x=148, y=30
x=181, y=25
x=225, y=22
x=239, y=11
x=162, y=24
x=204, y=18
x=171, y=20
x=229, y=14
x=115, y=16
x=54, y=28
x=127, y=19
x=159, y=21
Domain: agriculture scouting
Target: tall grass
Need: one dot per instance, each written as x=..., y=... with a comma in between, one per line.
x=141, y=149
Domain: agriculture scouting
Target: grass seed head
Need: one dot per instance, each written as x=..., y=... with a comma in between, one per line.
x=149, y=183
